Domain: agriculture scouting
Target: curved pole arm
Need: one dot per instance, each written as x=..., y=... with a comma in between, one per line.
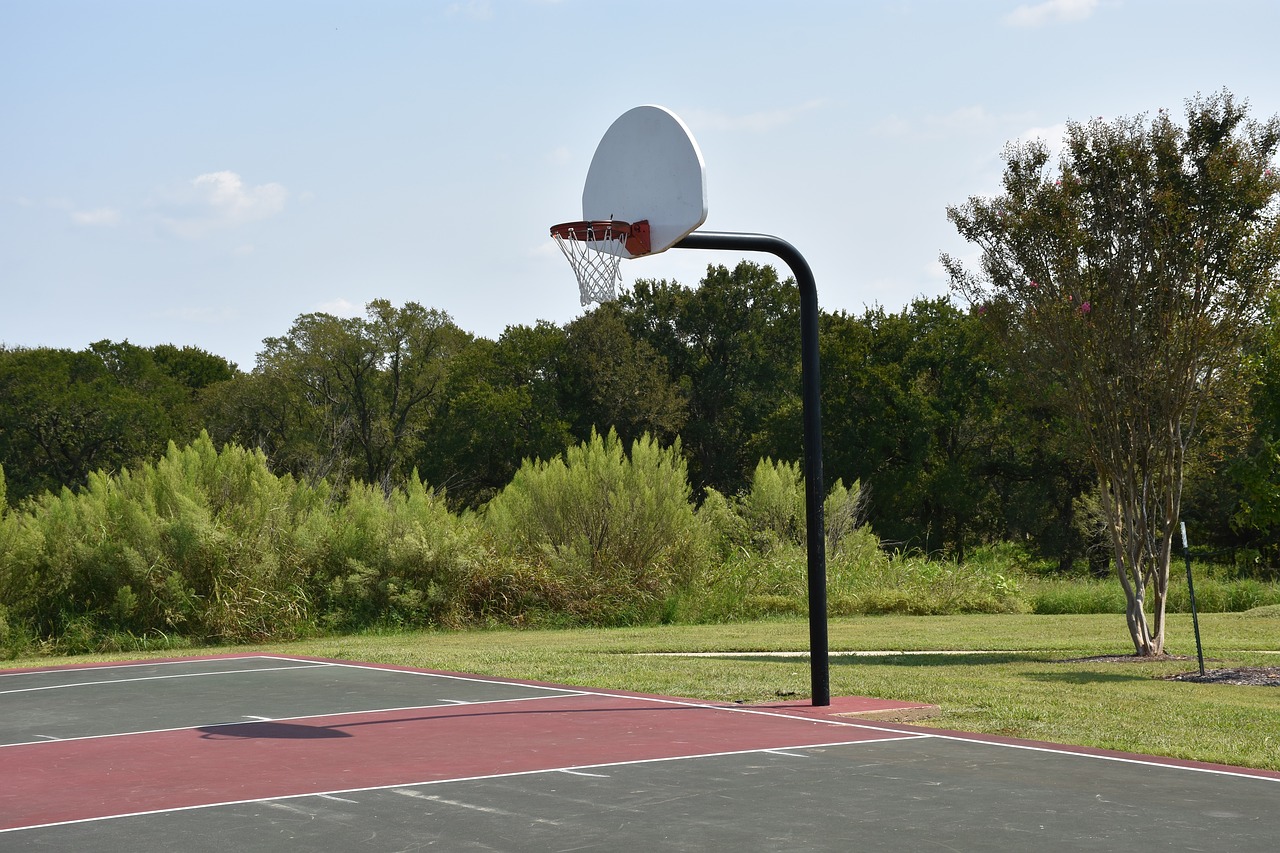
x=815, y=528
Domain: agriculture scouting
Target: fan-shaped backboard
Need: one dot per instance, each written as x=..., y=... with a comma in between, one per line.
x=648, y=167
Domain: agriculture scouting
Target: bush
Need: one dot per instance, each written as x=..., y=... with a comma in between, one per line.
x=395, y=559
x=616, y=531
x=196, y=543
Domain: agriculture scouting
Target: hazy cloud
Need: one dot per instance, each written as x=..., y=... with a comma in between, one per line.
x=1050, y=12
x=757, y=122
x=1052, y=136
x=101, y=216
x=218, y=200
x=477, y=10
x=340, y=308
x=965, y=120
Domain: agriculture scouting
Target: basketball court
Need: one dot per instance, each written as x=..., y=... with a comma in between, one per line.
x=276, y=753
x=256, y=752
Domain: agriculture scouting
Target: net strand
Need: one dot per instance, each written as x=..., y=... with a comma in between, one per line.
x=595, y=257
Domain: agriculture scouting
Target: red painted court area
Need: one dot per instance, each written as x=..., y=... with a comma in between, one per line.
x=74, y=780
x=531, y=730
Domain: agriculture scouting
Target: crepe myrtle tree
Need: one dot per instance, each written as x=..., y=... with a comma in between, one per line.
x=1124, y=284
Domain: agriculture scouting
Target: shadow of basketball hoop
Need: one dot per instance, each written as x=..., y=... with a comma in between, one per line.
x=269, y=730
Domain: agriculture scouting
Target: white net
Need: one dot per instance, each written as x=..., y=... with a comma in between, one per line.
x=594, y=252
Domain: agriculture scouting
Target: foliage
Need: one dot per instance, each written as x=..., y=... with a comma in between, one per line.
x=64, y=414
x=617, y=527
x=1126, y=288
x=733, y=346
x=341, y=398
x=396, y=559
x=612, y=380
x=918, y=410
x=501, y=405
x=195, y=543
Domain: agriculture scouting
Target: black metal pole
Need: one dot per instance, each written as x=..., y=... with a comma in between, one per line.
x=811, y=382
x=1191, y=591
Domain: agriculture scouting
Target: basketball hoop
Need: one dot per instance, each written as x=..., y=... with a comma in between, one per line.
x=594, y=250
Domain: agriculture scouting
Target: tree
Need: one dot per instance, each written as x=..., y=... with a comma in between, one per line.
x=1125, y=288
x=611, y=380
x=1251, y=480
x=64, y=414
x=734, y=344
x=351, y=397
x=500, y=407
x=916, y=409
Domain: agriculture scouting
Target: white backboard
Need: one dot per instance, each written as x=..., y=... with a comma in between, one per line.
x=648, y=166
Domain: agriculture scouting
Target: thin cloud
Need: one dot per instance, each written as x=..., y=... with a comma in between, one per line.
x=1050, y=12
x=1054, y=137
x=103, y=216
x=340, y=308
x=218, y=200
x=758, y=122
x=970, y=120
x=99, y=217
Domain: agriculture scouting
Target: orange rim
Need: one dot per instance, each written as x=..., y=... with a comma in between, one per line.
x=636, y=235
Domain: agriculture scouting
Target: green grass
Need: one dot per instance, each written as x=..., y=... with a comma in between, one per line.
x=1014, y=683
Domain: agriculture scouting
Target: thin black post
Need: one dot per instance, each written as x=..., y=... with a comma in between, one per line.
x=1191, y=591
x=811, y=382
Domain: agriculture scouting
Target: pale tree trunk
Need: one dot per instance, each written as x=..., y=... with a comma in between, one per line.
x=1140, y=504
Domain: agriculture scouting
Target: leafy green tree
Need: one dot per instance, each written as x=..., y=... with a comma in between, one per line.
x=734, y=344
x=913, y=407
x=611, y=380
x=64, y=414
x=1246, y=486
x=500, y=407
x=192, y=366
x=346, y=397
x=1126, y=286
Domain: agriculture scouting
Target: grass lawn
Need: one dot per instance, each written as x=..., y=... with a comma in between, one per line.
x=1014, y=680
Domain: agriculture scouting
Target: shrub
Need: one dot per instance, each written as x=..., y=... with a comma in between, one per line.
x=392, y=559
x=198, y=542
x=616, y=530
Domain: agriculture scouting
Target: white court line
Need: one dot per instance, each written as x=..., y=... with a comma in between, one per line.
x=59, y=670
x=1153, y=761
x=572, y=691
x=160, y=678
x=481, y=778
x=242, y=722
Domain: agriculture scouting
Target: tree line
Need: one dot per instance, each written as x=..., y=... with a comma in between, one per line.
x=921, y=406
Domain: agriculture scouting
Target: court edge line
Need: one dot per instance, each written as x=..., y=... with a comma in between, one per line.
x=510, y=682
x=161, y=678
x=430, y=782
x=90, y=667
x=226, y=724
x=1153, y=761
x=977, y=738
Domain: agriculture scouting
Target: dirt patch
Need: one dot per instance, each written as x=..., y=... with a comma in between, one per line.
x=1125, y=659
x=1252, y=676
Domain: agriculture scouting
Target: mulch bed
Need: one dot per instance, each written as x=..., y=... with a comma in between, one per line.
x=1256, y=676
x=1252, y=676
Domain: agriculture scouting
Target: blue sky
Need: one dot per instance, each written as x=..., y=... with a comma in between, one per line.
x=201, y=173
